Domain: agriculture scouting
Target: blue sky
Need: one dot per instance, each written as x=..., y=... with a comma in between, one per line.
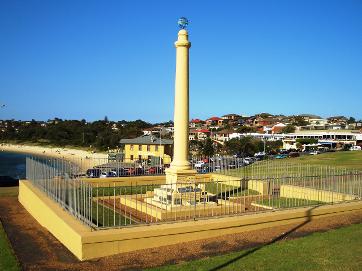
x=90, y=59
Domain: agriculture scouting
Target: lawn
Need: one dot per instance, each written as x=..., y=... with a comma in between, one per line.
x=234, y=191
x=346, y=159
x=123, y=190
x=8, y=261
x=9, y=191
x=339, y=249
x=107, y=217
x=307, y=165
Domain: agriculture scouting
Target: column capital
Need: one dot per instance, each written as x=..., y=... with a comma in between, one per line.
x=183, y=39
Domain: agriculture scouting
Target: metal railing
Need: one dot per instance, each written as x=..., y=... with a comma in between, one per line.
x=260, y=187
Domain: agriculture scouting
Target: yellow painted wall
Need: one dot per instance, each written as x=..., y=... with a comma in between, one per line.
x=48, y=214
x=136, y=151
x=261, y=186
x=290, y=191
x=86, y=244
x=109, y=242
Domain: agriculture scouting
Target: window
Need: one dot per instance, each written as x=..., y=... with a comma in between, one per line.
x=140, y=147
x=140, y=157
x=131, y=157
x=131, y=147
x=156, y=147
x=148, y=147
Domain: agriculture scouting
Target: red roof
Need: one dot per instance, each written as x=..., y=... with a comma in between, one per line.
x=202, y=131
x=196, y=121
x=214, y=118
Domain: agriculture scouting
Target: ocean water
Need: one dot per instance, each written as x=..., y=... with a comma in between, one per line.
x=12, y=164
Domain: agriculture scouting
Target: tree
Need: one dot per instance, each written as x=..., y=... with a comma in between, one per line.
x=299, y=121
x=351, y=120
x=245, y=146
x=306, y=140
x=265, y=115
x=288, y=129
x=246, y=129
x=208, y=148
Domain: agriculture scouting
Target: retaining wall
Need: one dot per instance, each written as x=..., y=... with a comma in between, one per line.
x=86, y=243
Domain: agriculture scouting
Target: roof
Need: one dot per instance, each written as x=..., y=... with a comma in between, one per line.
x=309, y=116
x=196, y=121
x=146, y=140
x=279, y=125
x=202, y=131
x=231, y=115
x=225, y=132
x=214, y=118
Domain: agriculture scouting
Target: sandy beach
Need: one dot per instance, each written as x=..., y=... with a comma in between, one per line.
x=85, y=159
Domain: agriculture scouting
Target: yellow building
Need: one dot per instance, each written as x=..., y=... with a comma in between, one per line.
x=147, y=146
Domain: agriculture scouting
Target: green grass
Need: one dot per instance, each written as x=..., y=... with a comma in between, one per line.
x=216, y=188
x=108, y=218
x=346, y=159
x=339, y=249
x=123, y=190
x=307, y=165
x=8, y=261
x=286, y=202
x=9, y=191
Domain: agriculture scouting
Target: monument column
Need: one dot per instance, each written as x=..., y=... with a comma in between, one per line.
x=180, y=166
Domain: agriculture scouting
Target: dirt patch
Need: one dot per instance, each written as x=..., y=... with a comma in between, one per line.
x=37, y=249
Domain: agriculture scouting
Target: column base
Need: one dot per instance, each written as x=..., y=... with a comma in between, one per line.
x=176, y=175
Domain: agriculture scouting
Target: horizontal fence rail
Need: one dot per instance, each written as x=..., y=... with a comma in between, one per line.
x=235, y=189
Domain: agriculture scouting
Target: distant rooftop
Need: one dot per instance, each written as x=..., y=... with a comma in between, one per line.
x=311, y=116
x=214, y=118
x=146, y=140
x=196, y=121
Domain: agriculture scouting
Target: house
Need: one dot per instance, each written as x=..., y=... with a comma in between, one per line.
x=214, y=121
x=114, y=127
x=317, y=124
x=223, y=135
x=196, y=123
x=278, y=128
x=341, y=120
x=146, y=146
x=307, y=117
x=231, y=117
x=259, y=121
x=199, y=134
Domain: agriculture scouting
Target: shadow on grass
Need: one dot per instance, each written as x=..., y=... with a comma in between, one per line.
x=280, y=237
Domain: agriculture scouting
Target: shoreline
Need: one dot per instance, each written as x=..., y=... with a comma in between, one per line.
x=84, y=159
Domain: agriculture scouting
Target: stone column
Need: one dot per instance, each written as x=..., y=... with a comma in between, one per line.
x=180, y=166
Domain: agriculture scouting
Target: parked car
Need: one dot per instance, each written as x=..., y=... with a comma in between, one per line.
x=281, y=156
x=93, y=173
x=199, y=164
x=355, y=148
x=103, y=175
x=205, y=168
x=136, y=171
x=314, y=152
x=294, y=154
x=155, y=170
x=249, y=160
x=119, y=172
x=260, y=154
